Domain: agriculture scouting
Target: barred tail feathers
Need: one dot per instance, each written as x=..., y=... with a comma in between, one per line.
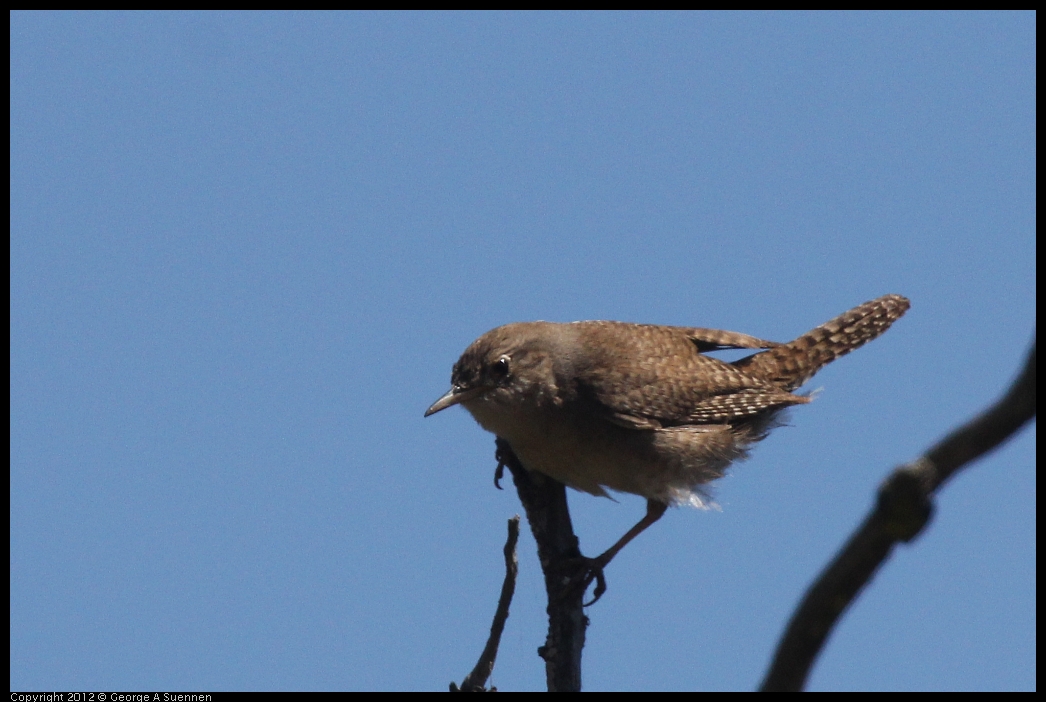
x=792, y=364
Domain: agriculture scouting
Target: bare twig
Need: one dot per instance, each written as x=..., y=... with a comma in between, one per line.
x=477, y=679
x=902, y=511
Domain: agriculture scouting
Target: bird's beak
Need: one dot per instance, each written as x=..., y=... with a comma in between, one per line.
x=454, y=396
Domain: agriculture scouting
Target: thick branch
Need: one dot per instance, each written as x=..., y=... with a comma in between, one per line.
x=545, y=502
x=903, y=509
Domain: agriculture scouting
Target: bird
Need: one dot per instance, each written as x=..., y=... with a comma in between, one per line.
x=606, y=407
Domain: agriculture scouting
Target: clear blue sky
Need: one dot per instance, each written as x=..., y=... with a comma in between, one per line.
x=246, y=250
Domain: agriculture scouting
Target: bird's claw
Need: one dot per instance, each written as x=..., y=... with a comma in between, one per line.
x=596, y=574
x=499, y=473
x=585, y=571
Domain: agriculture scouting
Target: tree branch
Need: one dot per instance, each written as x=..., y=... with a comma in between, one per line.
x=477, y=679
x=902, y=511
x=545, y=502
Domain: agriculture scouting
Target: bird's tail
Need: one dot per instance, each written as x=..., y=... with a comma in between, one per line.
x=792, y=364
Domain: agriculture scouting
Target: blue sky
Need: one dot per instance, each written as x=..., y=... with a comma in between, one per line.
x=246, y=250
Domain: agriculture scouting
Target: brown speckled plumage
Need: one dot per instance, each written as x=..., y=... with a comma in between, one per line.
x=637, y=407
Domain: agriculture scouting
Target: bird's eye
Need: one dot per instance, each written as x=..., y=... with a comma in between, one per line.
x=500, y=368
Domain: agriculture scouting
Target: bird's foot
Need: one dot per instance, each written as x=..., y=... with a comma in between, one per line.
x=583, y=571
x=502, y=460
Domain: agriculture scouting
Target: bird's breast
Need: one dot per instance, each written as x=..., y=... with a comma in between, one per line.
x=591, y=454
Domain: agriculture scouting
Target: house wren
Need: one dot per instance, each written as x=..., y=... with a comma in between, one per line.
x=639, y=408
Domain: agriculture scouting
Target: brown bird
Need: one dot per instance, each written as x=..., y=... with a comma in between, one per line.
x=639, y=408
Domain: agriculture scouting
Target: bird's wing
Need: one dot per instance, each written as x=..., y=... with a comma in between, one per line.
x=656, y=377
x=631, y=421
x=717, y=340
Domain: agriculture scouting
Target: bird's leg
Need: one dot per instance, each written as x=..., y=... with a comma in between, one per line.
x=654, y=510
